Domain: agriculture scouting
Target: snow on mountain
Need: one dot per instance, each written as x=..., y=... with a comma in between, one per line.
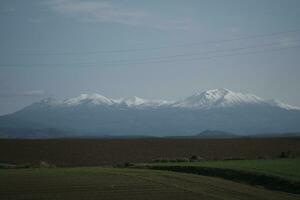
x=216, y=98
x=243, y=113
x=96, y=99
x=282, y=105
x=139, y=102
x=133, y=101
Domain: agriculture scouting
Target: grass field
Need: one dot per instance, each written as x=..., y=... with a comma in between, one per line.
x=277, y=174
x=113, y=183
x=285, y=168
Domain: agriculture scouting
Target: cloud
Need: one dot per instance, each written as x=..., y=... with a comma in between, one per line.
x=234, y=30
x=8, y=9
x=35, y=20
x=29, y=93
x=34, y=93
x=106, y=11
x=288, y=41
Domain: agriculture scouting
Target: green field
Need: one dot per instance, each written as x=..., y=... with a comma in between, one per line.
x=279, y=174
x=284, y=168
x=113, y=183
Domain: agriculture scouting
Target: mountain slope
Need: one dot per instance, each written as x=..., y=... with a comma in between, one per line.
x=211, y=99
x=218, y=109
x=218, y=98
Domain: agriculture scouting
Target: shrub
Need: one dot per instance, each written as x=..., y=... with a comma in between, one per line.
x=195, y=158
x=287, y=154
x=44, y=164
x=128, y=164
x=182, y=160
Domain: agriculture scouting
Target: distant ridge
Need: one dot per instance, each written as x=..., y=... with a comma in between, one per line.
x=212, y=113
x=215, y=134
x=216, y=98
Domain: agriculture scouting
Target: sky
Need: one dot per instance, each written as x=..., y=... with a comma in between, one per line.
x=155, y=49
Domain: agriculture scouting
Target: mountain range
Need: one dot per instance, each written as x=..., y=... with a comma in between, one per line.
x=97, y=115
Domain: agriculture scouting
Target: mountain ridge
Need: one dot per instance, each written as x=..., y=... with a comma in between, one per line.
x=97, y=115
x=205, y=100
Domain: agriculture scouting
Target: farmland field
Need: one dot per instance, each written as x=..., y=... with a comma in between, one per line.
x=112, y=183
x=106, y=152
x=284, y=168
x=279, y=174
x=108, y=182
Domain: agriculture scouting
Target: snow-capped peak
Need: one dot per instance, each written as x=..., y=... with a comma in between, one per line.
x=96, y=99
x=134, y=101
x=141, y=103
x=218, y=98
x=214, y=92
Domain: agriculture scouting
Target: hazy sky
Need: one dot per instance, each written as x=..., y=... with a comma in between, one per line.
x=152, y=49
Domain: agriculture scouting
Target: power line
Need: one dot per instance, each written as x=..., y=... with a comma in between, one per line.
x=161, y=47
x=196, y=54
x=208, y=57
x=158, y=61
x=172, y=56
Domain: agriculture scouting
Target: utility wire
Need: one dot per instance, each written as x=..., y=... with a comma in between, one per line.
x=212, y=57
x=156, y=61
x=161, y=47
x=196, y=54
